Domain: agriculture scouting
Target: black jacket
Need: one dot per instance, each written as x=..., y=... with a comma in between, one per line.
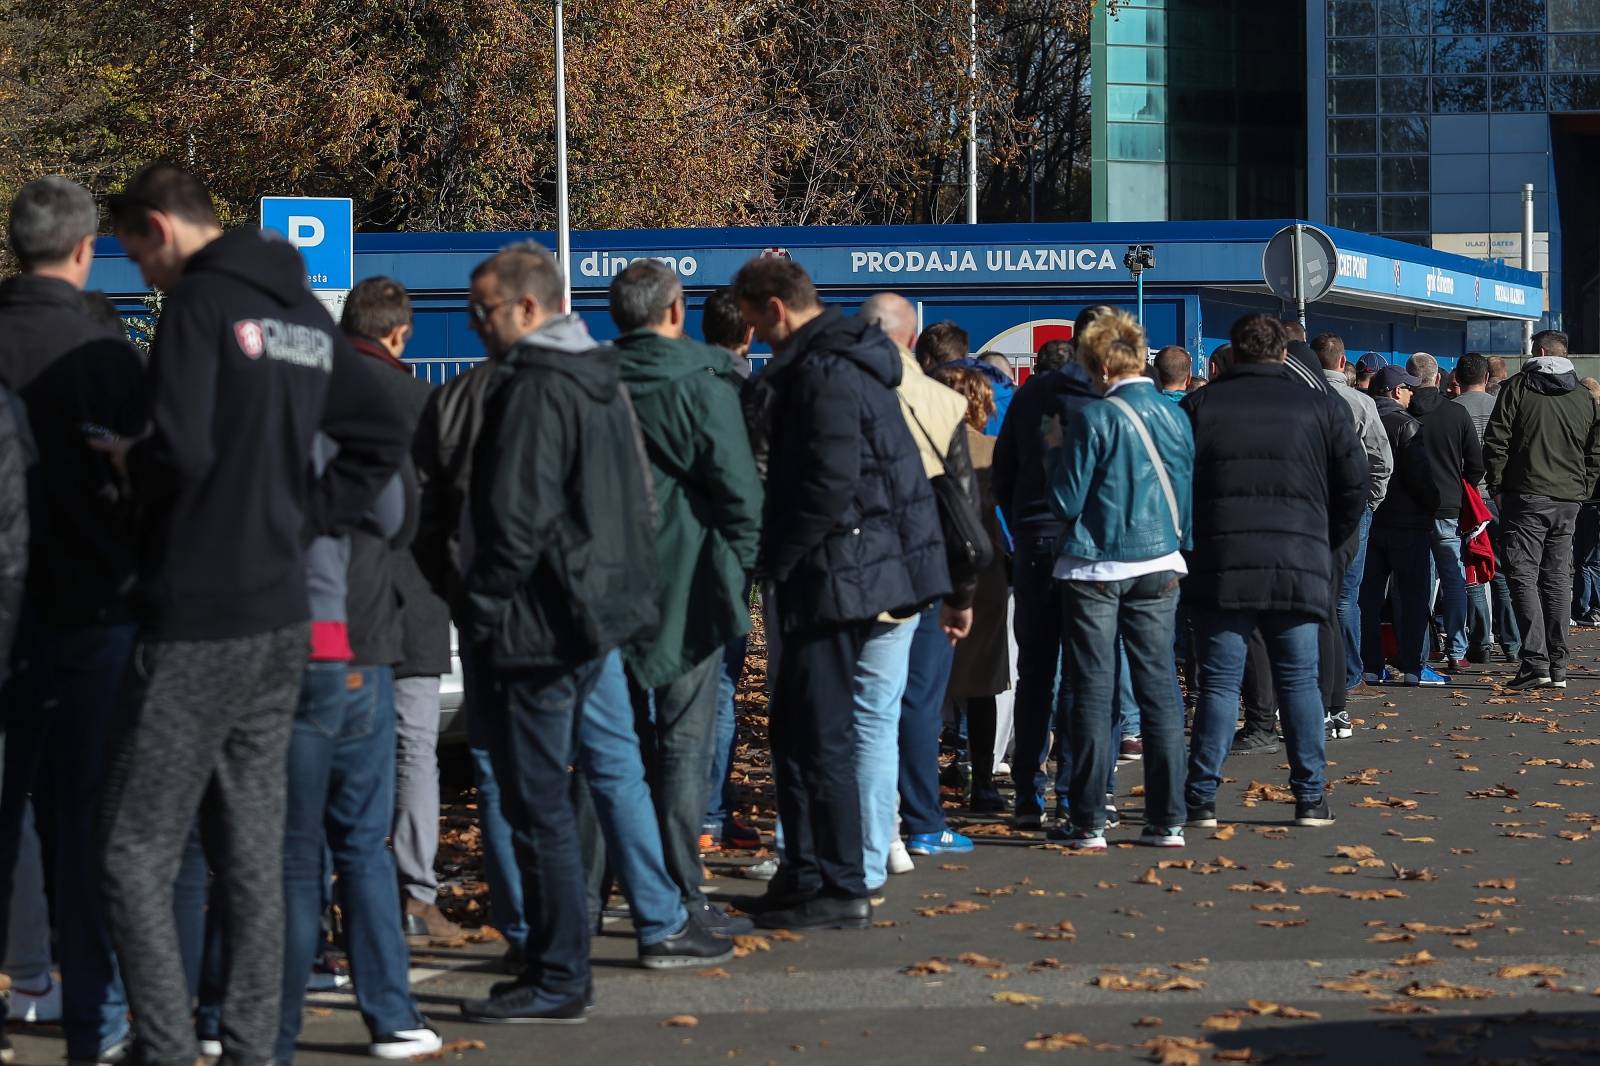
x=442, y=452
x=246, y=367
x=71, y=371
x=563, y=565
x=1451, y=449
x=424, y=617
x=850, y=528
x=1543, y=439
x=16, y=456
x=1279, y=477
x=1407, y=504
x=1019, y=478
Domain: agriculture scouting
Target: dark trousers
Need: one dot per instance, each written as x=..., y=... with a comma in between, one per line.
x=1586, y=562
x=1260, y=701
x=1536, y=533
x=533, y=719
x=677, y=724
x=921, y=718
x=1397, y=558
x=1041, y=696
x=812, y=728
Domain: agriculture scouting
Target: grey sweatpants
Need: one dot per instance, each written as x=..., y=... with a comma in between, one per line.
x=416, y=785
x=203, y=727
x=1536, y=540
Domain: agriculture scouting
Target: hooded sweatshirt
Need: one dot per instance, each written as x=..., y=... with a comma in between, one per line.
x=1544, y=436
x=246, y=367
x=708, y=497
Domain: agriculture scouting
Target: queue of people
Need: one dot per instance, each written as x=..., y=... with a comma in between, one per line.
x=228, y=571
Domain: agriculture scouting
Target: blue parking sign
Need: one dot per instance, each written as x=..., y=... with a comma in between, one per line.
x=323, y=228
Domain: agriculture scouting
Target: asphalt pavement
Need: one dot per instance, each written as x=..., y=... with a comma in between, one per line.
x=1449, y=916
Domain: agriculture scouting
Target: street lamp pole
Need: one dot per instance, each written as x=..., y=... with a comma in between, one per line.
x=563, y=213
x=972, y=119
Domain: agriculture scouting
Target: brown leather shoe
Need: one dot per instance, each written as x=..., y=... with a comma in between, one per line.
x=427, y=920
x=1363, y=691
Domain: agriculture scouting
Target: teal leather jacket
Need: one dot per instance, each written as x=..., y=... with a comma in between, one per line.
x=1101, y=480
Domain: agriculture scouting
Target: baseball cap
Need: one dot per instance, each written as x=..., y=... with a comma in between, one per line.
x=1391, y=377
x=1372, y=361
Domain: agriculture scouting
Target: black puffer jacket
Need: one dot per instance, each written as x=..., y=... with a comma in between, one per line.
x=1019, y=479
x=1279, y=476
x=851, y=529
x=1450, y=445
x=563, y=526
x=16, y=456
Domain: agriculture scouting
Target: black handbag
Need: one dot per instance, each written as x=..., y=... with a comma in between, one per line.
x=967, y=548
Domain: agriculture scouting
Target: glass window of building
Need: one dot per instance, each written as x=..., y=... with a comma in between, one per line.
x=1354, y=136
x=1405, y=136
x=1132, y=25
x=1575, y=51
x=1575, y=92
x=1403, y=55
x=1460, y=16
x=1349, y=18
x=1352, y=57
x=1405, y=173
x=1131, y=140
x=1516, y=16
x=1355, y=212
x=1403, y=17
x=1136, y=103
x=1519, y=93
x=1517, y=55
x=1460, y=95
x=1138, y=65
x=1567, y=15
x=1353, y=174
x=1460, y=55
x=1353, y=96
x=1403, y=95
x=1405, y=214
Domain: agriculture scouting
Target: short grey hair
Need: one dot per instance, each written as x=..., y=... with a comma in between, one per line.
x=526, y=269
x=643, y=293
x=49, y=217
x=1425, y=367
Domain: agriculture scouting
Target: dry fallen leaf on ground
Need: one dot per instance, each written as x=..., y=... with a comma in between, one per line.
x=1507, y=883
x=1530, y=969
x=1056, y=1041
x=1222, y=1023
x=1021, y=999
x=681, y=1021
x=960, y=906
x=926, y=967
x=1445, y=990
x=453, y=1047
x=1354, y=851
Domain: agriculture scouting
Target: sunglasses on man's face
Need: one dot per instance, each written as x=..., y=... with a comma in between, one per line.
x=481, y=312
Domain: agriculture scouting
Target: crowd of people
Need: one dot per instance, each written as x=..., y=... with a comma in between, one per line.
x=228, y=570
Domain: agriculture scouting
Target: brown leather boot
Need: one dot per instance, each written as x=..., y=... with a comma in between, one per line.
x=427, y=920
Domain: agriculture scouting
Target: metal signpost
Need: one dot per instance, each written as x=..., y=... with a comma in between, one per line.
x=1300, y=265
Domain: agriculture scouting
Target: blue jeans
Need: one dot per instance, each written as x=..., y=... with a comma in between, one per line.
x=341, y=796
x=1138, y=616
x=499, y=852
x=879, y=686
x=1291, y=641
x=1586, y=562
x=725, y=742
x=1127, y=706
x=58, y=711
x=1350, y=604
x=1446, y=548
x=1403, y=555
x=534, y=719
x=921, y=717
x=611, y=765
x=1041, y=697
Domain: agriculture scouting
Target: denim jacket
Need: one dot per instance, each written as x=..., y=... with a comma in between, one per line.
x=1101, y=480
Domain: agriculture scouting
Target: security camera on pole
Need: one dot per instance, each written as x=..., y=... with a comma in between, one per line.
x=1140, y=257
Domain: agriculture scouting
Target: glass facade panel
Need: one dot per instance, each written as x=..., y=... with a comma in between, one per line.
x=1524, y=93
x=1406, y=173
x=1354, y=212
x=1353, y=97
x=1574, y=15
x=1460, y=55
x=1190, y=144
x=1403, y=95
x=1402, y=17
x=1136, y=65
x=1353, y=174
x=1517, y=55
x=1460, y=95
x=1352, y=57
x=1136, y=103
x=1135, y=141
x=1405, y=136
x=1199, y=29
x=1136, y=191
x=1516, y=16
x=1351, y=18
x=1575, y=92
x=1132, y=25
x=1200, y=191
x=1354, y=136
x=1460, y=16
x=1403, y=56
x=1405, y=214
x=1577, y=51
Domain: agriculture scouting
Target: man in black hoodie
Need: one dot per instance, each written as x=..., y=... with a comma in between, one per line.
x=1450, y=446
x=854, y=533
x=1019, y=489
x=70, y=372
x=247, y=367
x=1542, y=450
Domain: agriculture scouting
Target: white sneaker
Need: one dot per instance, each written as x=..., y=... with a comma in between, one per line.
x=899, y=858
x=34, y=1008
x=211, y=1049
x=765, y=870
x=406, y=1044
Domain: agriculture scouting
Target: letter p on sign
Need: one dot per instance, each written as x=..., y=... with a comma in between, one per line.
x=305, y=231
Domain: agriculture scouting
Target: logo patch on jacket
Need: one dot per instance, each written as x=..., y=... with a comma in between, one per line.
x=287, y=342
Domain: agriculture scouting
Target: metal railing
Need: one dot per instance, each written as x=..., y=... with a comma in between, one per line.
x=439, y=371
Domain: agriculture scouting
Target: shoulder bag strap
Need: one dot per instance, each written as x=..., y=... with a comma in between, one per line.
x=1155, y=458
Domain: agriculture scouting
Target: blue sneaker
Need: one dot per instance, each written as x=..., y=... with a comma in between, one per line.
x=1427, y=677
x=1372, y=679
x=945, y=843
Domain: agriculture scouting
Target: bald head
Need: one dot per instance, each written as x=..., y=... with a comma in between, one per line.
x=893, y=314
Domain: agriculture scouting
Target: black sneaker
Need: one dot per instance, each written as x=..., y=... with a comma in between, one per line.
x=1313, y=814
x=693, y=945
x=1526, y=680
x=718, y=921
x=1032, y=820
x=1246, y=742
x=505, y=988
x=1202, y=818
x=514, y=961
x=526, y=1005
x=986, y=800
x=1339, y=727
x=1113, y=818
x=822, y=912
